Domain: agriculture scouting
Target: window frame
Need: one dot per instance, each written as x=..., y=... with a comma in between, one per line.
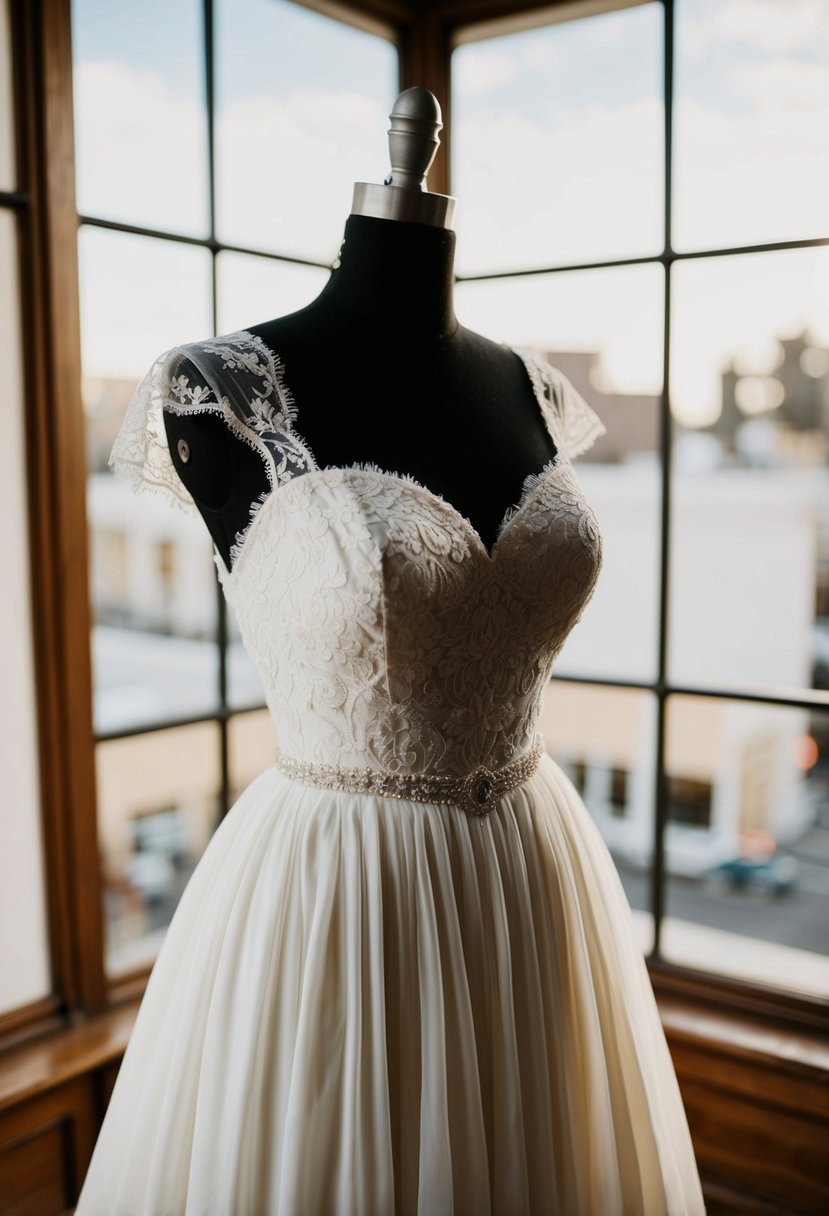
x=59, y=544
x=481, y=19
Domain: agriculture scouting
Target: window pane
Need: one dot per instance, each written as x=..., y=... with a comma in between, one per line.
x=750, y=530
x=8, y=169
x=152, y=575
x=603, y=330
x=603, y=740
x=158, y=806
x=140, y=120
x=255, y=289
x=748, y=842
x=751, y=122
x=302, y=114
x=557, y=138
x=139, y=296
x=252, y=746
x=25, y=972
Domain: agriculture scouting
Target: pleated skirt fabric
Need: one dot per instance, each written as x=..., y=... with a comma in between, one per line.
x=369, y=1006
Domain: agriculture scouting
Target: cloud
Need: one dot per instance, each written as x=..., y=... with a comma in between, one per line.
x=583, y=186
x=759, y=173
x=796, y=87
x=765, y=25
x=483, y=72
x=286, y=172
x=543, y=55
x=586, y=186
x=141, y=153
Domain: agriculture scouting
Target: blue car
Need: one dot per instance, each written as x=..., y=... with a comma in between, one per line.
x=775, y=874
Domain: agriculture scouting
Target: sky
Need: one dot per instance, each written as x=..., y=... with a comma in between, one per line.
x=557, y=154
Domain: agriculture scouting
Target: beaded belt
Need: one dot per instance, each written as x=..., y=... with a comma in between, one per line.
x=476, y=793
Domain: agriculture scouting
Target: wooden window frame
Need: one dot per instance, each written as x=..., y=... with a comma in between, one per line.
x=56, y=471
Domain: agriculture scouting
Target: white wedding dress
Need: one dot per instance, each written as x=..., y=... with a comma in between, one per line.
x=403, y=979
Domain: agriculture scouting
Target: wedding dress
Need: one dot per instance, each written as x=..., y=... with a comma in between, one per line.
x=403, y=979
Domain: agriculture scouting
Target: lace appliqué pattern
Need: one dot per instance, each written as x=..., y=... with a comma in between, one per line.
x=382, y=631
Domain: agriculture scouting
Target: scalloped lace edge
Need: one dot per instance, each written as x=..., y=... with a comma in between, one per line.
x=550, y=386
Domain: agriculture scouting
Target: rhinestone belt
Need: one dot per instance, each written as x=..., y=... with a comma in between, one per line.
x=476, y=793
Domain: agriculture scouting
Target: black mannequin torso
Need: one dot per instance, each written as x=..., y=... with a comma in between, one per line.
x=380, y=371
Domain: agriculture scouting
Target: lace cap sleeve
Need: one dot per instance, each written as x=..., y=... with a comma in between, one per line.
x=140, y=454
x=579, y=424
x=574, y=425
x=234, y=376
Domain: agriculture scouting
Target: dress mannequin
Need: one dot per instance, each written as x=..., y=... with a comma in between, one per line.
x=380, y=369
x=404, y=976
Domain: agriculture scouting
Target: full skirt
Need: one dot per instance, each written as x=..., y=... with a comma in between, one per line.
x=370, y=1006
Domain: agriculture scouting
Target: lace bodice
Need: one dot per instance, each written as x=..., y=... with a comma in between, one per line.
x=384, y=632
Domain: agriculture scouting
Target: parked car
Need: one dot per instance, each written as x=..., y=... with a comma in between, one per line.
x=775, y=873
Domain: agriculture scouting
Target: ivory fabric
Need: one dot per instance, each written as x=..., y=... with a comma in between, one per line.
x=373, y=1004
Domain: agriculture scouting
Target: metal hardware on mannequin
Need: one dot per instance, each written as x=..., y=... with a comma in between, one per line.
x=413, y=142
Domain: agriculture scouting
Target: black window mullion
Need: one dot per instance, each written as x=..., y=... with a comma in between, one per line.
x=221, y=607
x=660, y=802
x=224, y=716
x=210, y=103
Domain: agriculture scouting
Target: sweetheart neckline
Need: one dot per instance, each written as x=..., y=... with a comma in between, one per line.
x=514, y=512
x=532, y=481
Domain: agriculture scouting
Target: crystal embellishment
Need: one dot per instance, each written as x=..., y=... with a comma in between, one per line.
x=477, y=793
x=482, y=787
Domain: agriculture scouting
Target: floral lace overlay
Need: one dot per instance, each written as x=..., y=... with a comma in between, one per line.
x=385, y=633
x=235, y=377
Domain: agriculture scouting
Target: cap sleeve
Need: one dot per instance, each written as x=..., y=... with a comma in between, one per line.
x=140, y=454
x=579, y=424
x=234, y=376
x=573, y=424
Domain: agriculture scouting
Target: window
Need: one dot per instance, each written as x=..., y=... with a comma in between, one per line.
x=689, y=801
x=187, y=118
x=643, y=196
x=158, y=805
x=618, y=792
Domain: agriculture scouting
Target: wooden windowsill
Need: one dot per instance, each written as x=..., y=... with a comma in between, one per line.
x=745, y=1036
x=35, y=1067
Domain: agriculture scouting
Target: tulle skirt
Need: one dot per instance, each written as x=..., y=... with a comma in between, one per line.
x=369, y=1006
